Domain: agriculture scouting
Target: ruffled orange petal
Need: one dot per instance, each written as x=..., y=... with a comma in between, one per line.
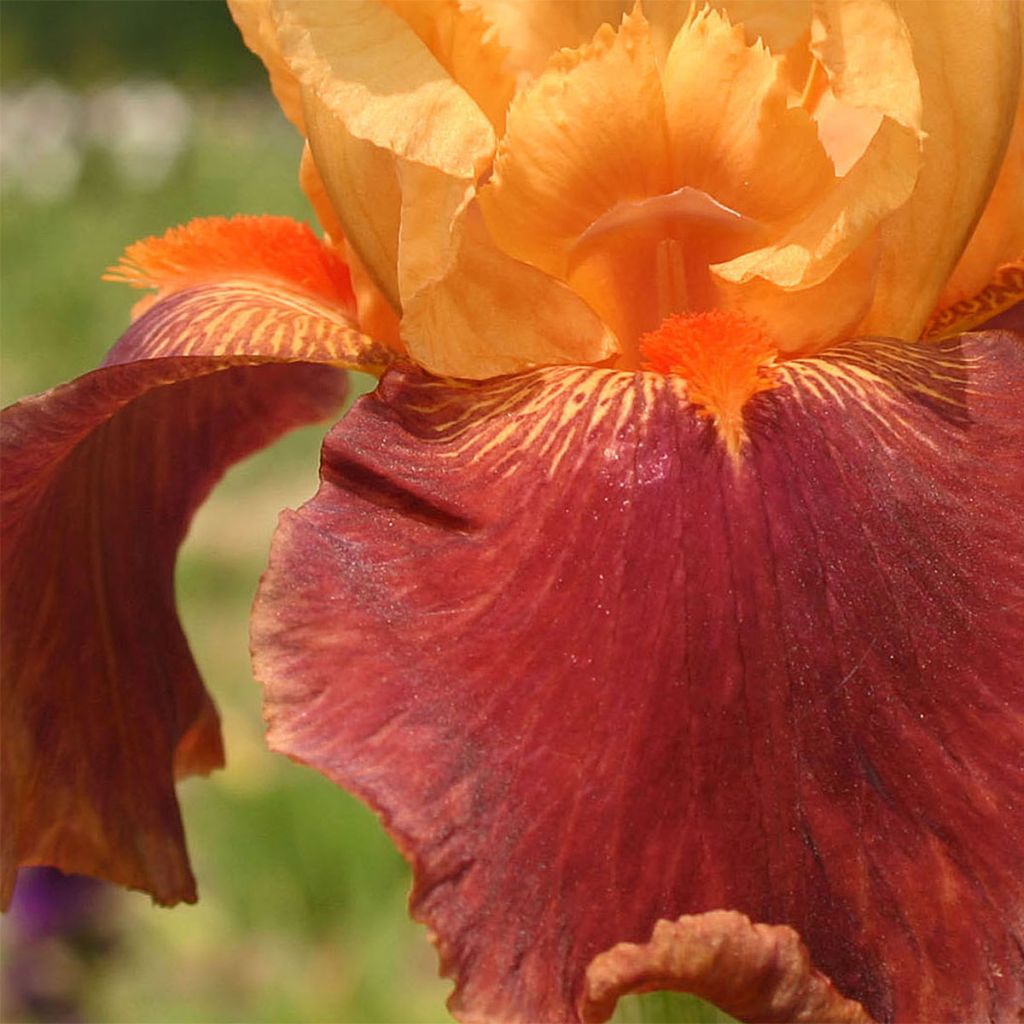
x=465, y=44
x=836, y=228
x=866, y=52
x=377, y=101
x=492, y=314
x=588, y=134
x=732, y=131
x=968, y=60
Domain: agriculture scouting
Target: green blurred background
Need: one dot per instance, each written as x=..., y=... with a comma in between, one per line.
x=119, y=120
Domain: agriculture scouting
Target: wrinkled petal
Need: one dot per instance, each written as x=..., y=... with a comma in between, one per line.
x=731, y=129
x=376, y=99
x=587, y=134
x=866, y=51
x=968, y=60
x=833, y=230
x=754, y=972
x=593, y=671
x=490, y=314
x=464, y=42
x=102, y=704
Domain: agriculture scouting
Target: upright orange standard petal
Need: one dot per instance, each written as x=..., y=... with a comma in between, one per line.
x=968, y=57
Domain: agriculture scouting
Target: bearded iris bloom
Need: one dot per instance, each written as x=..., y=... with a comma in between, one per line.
x=665, y=599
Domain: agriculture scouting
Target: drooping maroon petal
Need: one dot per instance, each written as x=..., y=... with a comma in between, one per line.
x=102, y=704
x=594, y=672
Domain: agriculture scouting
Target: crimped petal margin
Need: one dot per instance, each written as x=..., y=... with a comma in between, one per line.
x=593, y=673
x=102, y=706
x=755, y=972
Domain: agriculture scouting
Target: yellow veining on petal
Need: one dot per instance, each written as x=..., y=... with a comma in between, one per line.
x=1004, y=291
x=247, y=318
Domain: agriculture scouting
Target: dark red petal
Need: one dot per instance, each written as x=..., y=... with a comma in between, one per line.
x=102, y=705
x=594, y=672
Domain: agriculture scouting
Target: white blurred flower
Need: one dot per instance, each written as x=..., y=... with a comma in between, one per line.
x=144, y=125
x=40, y=141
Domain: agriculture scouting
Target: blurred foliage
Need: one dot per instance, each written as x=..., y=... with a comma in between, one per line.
x=82, y=42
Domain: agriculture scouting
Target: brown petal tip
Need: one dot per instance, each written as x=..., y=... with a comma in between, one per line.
x=756, y=972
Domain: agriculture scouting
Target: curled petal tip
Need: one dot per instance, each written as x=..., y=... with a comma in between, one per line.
x=756, y=972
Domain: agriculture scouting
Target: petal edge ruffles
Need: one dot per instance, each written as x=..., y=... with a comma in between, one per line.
x=593, y=673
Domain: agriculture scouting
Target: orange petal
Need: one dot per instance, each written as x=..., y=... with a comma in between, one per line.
x=375, y=314
x=732, y=132
x=376, y=99
x=492, y=314
x=999, y=305
x=532, y=32
x=589, y=133
x=755, y=972
x=844, y=220
x=465, y=44
x=999, y=237
x=810, y=319
x=968, y=61
x=361, y=184
x=256, y=23
x=779, y=24
x=366, y=65
x=866, y=51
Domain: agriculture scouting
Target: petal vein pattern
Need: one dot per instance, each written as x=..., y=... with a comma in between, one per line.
x=103, y=707
x=594, y=673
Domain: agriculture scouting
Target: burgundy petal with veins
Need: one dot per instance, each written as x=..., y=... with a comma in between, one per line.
x=595, y=672
x=102, y=704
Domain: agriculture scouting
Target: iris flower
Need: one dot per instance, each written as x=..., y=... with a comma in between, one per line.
x=665, y=598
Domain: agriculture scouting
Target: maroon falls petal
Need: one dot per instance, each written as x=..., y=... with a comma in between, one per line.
x=594, y=669
x=102, y=706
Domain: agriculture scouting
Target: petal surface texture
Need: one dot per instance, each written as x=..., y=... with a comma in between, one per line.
x=102, y=704
x=753, y=971
x=969, y=60
x=594, y=671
